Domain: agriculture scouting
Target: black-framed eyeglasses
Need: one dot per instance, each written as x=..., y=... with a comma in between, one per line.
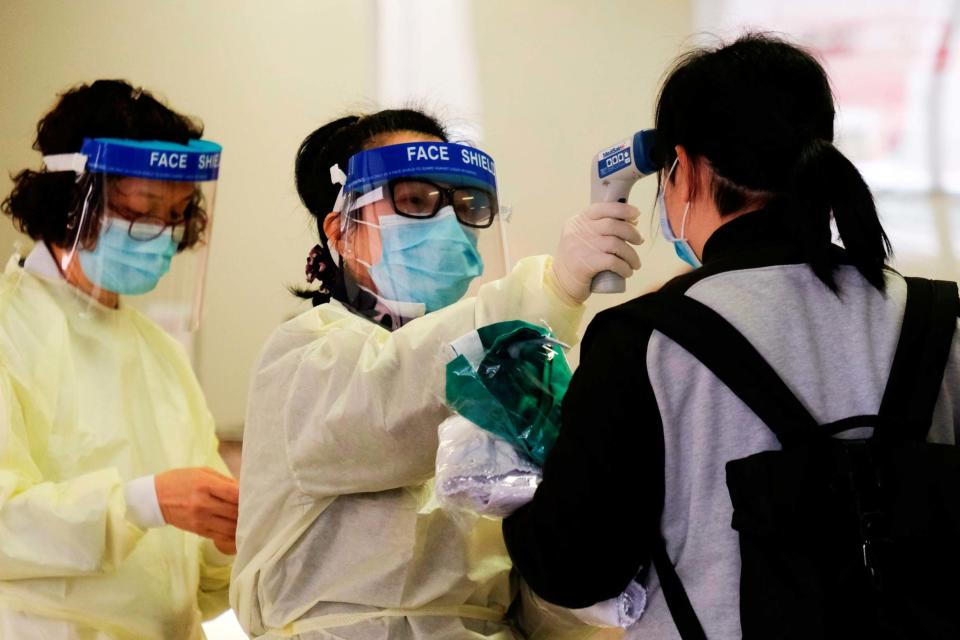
x=145, y=228
x=419, y=198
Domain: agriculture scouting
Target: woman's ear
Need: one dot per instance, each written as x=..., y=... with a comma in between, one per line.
x=331, y=228
x=685, y=176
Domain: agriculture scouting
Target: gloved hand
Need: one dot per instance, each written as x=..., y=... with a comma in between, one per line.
x=202, y=501
x=598, y=239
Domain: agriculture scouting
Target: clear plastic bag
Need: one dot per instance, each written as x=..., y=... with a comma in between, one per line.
x=538, y=619
x=479, y=472
x=506, y=382
x=621, y=611
x=509, y=378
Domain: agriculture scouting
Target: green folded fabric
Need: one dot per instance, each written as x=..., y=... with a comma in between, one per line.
x=509, y=379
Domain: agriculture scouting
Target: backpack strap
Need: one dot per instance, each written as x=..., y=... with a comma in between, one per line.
x=719, y=346
x=916, y=375
x=913, y=386
x=688, y=625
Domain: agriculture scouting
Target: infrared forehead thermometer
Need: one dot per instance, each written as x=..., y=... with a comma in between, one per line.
x=613, y=173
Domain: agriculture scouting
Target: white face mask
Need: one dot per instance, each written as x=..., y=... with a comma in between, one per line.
x=680, y=245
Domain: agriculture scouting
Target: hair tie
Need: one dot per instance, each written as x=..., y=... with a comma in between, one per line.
x=317, y=264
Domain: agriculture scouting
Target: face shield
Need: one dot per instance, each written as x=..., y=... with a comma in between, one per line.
x=141, y=224
x=418, y=229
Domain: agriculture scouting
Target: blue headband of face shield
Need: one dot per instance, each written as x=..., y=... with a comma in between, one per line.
x=196, y=161
x=453, y=164
x=427, y=259
x=121, y=261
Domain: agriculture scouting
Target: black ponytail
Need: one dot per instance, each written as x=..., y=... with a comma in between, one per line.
x=333, y=144
x=825, y=183
x=318, y=194
x=761, y=112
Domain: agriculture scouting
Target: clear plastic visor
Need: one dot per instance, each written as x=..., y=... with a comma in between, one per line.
x=143, y=241
x=414, y=245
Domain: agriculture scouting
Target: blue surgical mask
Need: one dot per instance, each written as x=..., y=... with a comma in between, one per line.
x=124, y=265
x=680, y=244
x=429, y=261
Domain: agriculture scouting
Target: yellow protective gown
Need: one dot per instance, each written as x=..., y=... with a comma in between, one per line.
x=90, y=398
x=340, y=535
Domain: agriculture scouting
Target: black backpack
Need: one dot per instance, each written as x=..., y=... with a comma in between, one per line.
x=839, y=538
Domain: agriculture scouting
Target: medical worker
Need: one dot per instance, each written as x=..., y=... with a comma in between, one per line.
x=651, y=438
x=340, y=535
x=117, y=517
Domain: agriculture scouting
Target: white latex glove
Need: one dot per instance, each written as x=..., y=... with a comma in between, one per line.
x=598, y=239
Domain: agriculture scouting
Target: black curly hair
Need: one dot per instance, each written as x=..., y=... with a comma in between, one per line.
x=41, y=203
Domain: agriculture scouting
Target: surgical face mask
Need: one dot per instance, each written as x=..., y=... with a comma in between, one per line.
x=680, y=244
x=124, y=265
x=428, y=261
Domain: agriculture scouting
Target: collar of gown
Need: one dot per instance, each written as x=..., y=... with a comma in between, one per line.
x=41, y=262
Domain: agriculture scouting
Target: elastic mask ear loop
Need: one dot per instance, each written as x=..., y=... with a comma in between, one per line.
x=686, y=210
x=683, y=223
x=672, y=168
x=369, y=198
x=369, y=224
x=664, y=220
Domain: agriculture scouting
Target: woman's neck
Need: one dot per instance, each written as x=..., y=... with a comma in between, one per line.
x=73, y=273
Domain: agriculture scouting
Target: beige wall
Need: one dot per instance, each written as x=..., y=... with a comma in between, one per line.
x=559, y=80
